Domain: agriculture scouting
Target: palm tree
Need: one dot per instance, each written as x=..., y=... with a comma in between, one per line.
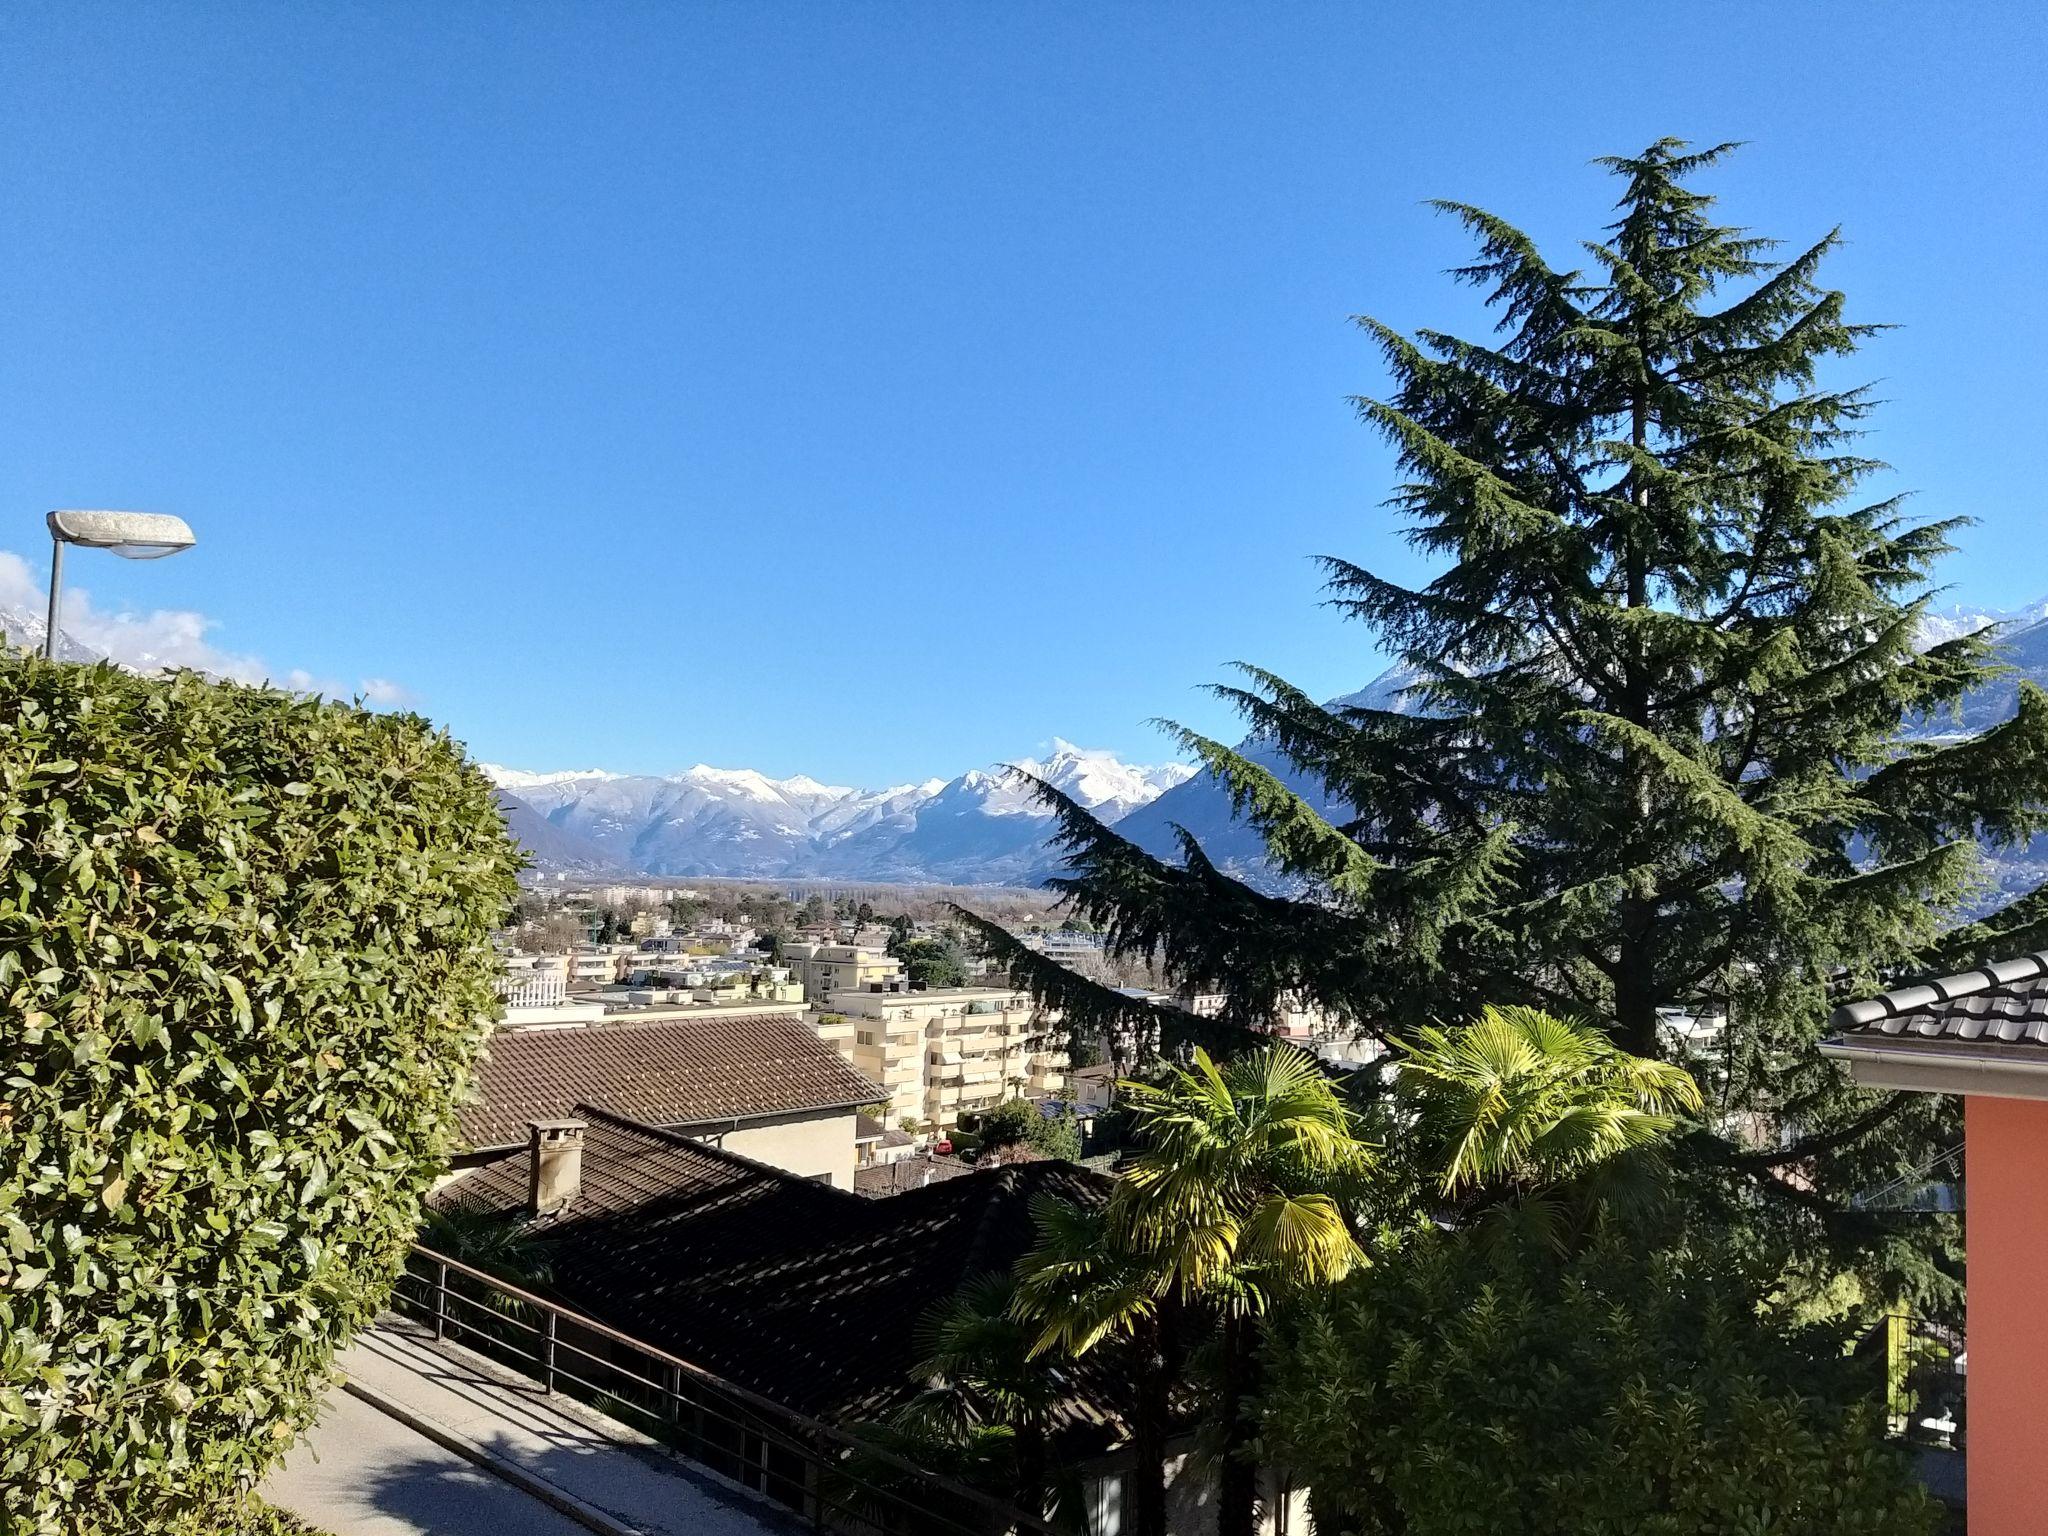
x=1083, y=1284
x=1519, y=1105
x=983, y=1390
x=1233, y=1204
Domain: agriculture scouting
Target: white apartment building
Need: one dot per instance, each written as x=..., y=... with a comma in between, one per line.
x=823, y=969
x=944, y=1053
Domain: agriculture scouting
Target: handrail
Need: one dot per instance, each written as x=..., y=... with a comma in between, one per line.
x=1013, y=1519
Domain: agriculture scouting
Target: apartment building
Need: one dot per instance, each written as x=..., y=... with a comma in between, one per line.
x=600, y=965
x=944, y=1053
x=823, y=969
x=1064, y=945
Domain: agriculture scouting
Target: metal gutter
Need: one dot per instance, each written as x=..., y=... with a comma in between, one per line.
x=1945, y=1068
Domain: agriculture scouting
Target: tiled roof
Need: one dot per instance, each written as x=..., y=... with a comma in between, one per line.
x=881, y=1180
x=666, y=1072
x=807, y=1294
x=2003, y=1004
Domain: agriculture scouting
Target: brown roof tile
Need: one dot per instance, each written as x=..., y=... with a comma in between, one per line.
x=879, y=1180
x=665, y=1072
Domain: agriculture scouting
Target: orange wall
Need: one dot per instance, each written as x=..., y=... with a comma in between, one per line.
x=2006, y=1147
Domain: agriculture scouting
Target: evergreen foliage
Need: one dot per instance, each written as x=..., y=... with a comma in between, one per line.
x=931, y=963
x=1629, y=1388
x=245, y=963
x=1518, y=1096
x=1654, y=752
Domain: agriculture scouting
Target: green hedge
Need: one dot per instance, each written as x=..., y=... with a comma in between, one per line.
x=244, y=970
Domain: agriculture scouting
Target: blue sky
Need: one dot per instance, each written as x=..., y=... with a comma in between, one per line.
x=878, y=391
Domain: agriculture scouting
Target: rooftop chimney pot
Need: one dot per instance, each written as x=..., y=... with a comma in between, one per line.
x=555, y=1164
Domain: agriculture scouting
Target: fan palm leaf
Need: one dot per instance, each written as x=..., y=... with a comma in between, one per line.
x=1520, y=1096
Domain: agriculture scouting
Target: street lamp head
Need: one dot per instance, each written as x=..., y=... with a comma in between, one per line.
x=131, y=535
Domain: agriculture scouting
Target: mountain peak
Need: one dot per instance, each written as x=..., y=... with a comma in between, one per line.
x=980, y=827
x=1959, y=619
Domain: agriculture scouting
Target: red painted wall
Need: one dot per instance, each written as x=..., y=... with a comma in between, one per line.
x=2006, y=1152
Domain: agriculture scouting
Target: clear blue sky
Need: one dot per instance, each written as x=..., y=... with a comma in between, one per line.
x=877, y=391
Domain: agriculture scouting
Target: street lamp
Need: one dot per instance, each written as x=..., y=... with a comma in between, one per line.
x=131, y=535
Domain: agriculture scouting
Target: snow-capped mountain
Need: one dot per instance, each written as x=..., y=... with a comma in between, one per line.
x=978, y=828
x=24, y=627
x=1202, y=807
x=1939, y=624
x=513, y=779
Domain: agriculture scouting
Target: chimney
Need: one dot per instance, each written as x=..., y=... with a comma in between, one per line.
x=554, y=1155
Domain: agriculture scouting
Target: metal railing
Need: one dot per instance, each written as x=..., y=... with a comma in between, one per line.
x=1925, y=1382
x=828, y=1477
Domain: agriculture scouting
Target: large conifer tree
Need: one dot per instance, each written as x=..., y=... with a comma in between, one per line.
x=1654, y=753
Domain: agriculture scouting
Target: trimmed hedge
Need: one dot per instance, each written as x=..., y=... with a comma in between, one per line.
x=245, y=966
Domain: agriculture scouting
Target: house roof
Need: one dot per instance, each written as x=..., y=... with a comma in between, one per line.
x=1982, y=1031
x=2005, y=1003
x=689, y=1071
x=804, y=1293
x=882, y=1180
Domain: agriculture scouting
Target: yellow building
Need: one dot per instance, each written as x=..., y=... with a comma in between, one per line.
x=822, y=969
x=947, y=1052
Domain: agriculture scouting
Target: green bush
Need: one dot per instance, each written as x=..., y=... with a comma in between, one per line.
x=1016, y=1120
x=1638, y=1388
x=245, y=966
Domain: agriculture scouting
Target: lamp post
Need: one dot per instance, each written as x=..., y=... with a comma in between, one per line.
x=131, y=535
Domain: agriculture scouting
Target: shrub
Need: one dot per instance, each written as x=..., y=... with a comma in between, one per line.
x=1469, y=1384
x=1020, y=1120
x=244, y=969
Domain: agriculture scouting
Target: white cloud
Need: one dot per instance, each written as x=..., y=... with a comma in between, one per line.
x=158, y=639
x=381, y=690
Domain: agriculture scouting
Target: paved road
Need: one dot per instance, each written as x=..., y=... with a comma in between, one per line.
x=361, y=1473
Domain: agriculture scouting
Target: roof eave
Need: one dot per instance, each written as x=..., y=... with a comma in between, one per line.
x=728, y=1122
x=1997, y=1072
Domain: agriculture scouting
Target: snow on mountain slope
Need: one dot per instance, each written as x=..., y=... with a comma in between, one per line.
x=23, y=626
x=978, y=828
x=549, y=845
x=1939, y=624
x=519, y=783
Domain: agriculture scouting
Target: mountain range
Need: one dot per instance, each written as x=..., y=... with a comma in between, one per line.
x=979, y=828
x=23, y=626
